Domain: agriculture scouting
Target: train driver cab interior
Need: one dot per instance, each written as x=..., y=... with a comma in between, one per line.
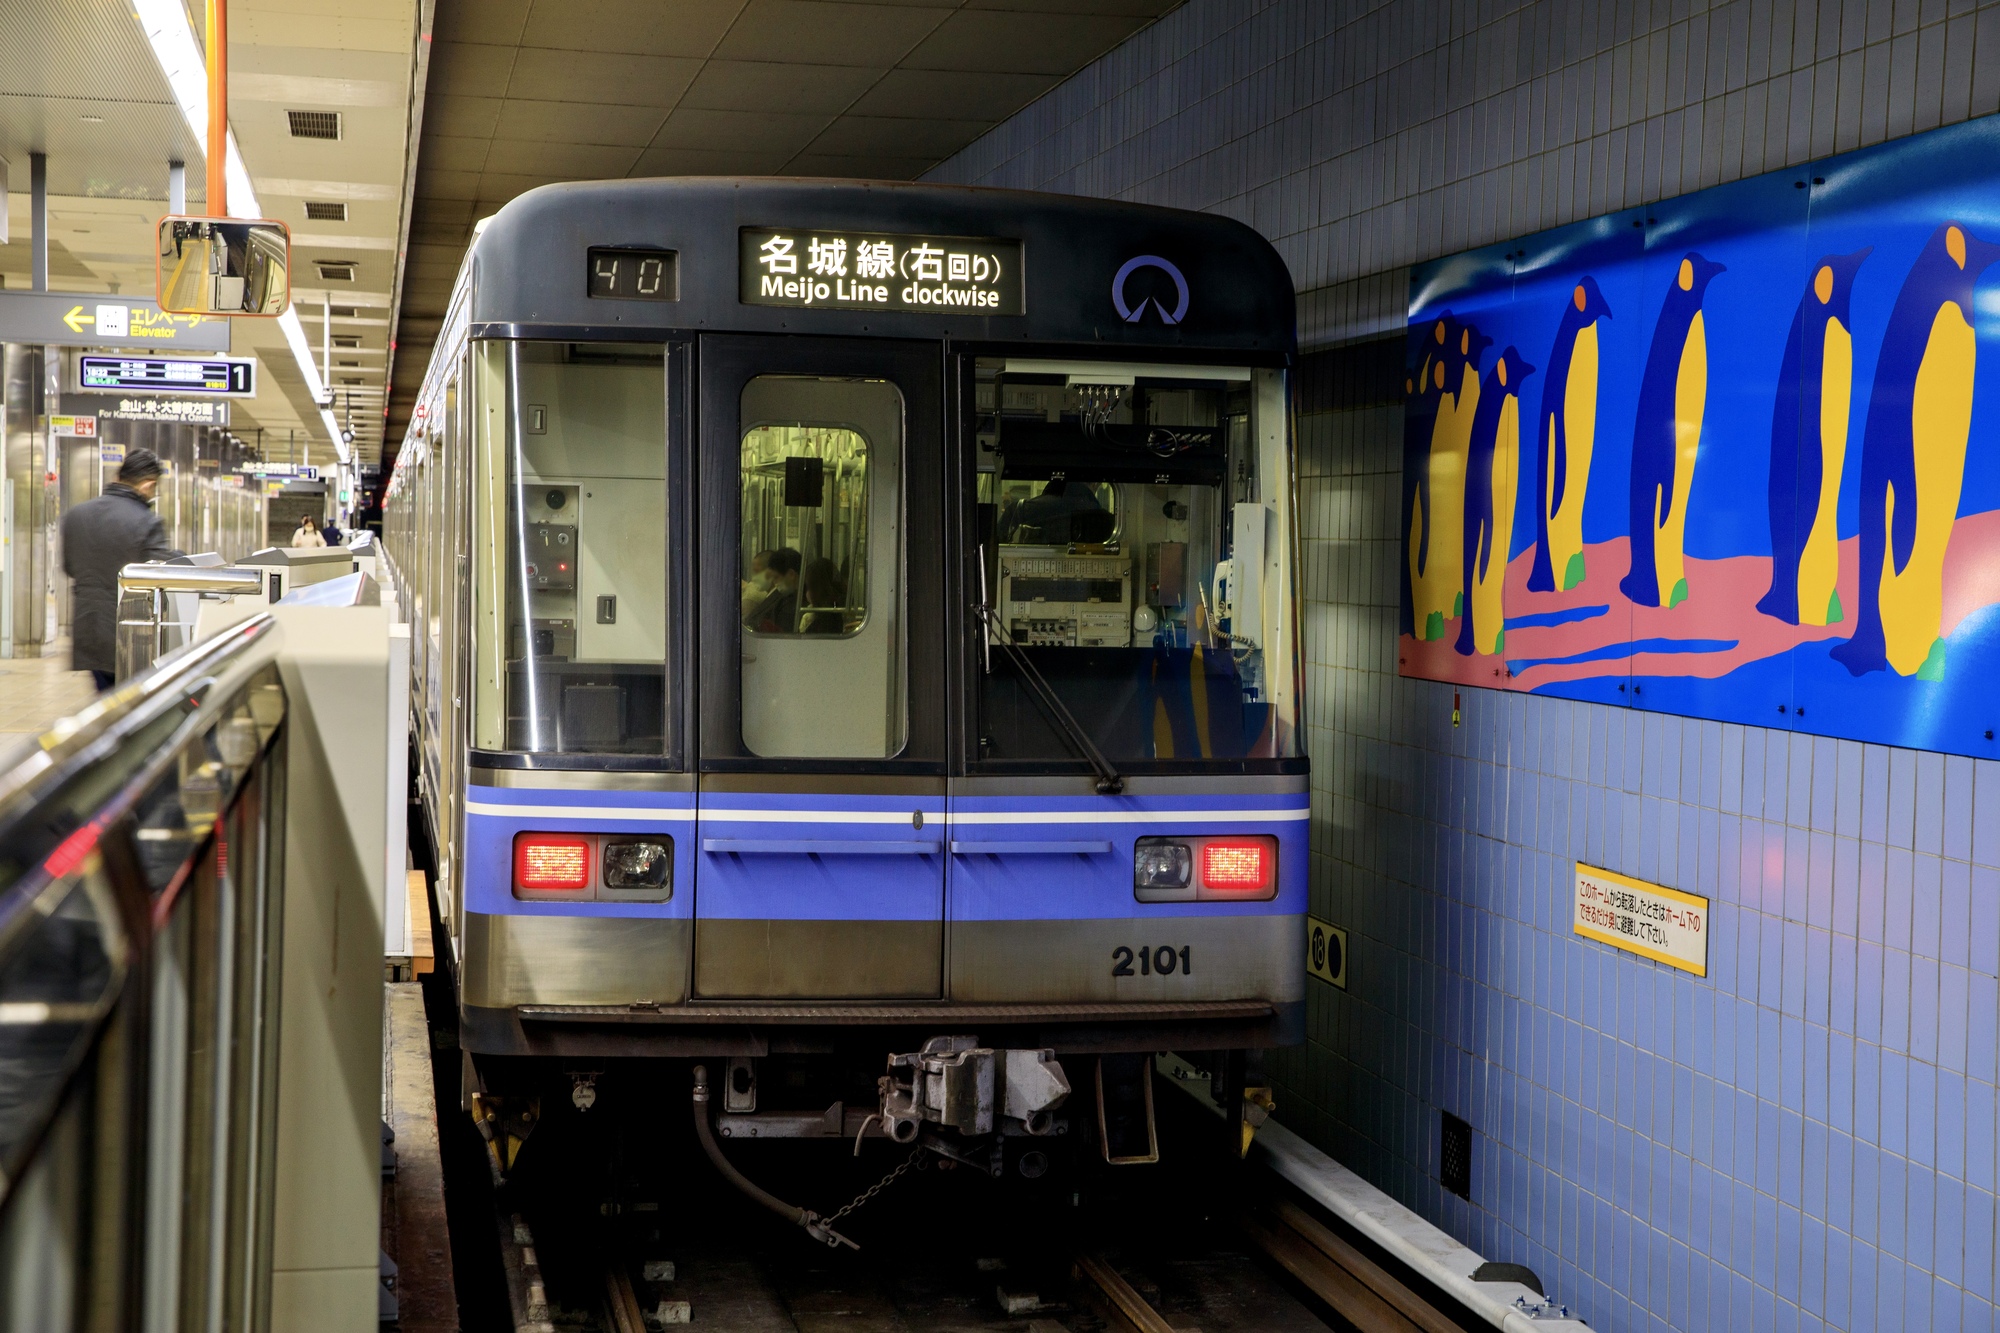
x=580, y=666
x=1133, y=546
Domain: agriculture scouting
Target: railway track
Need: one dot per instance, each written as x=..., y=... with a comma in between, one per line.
x=1202, y=1245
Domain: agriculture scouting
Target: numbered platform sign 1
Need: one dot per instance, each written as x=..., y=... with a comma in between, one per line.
x=1651, y=920
x=1326, y=951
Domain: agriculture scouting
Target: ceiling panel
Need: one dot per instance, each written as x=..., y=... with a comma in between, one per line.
x=600, y=76
x=865, y=136
x=640, y=27
x=759, y=85
x=815, y=32
x=578, y=123
x=976, y=41
x=991, y=96
x=747, y=131
x=877, y=89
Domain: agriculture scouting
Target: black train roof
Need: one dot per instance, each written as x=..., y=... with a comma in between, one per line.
x=530, y=263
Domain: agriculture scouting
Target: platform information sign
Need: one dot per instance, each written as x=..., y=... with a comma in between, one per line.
x=209, y=377
x=187, y=411
x=1650, y=920
x=1326, y=951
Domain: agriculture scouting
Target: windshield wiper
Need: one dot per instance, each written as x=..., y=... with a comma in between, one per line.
x=1109, y=781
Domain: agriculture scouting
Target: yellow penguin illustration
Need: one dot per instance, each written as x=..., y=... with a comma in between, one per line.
x=1440, y=596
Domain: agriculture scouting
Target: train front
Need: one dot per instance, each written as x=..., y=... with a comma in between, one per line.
x=884, y=657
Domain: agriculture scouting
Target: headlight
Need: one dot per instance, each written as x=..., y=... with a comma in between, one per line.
x=636, y=864
x=1161, y=863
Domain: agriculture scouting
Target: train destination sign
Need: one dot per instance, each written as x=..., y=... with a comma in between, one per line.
x=853, y=270
x=1651, y=920
x=209, y=377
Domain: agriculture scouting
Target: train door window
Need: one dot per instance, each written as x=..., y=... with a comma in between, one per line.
x=583, y=549
x=1133, y=544
x=821, y=564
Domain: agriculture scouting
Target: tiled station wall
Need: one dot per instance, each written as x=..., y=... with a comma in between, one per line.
x=1805, y=1138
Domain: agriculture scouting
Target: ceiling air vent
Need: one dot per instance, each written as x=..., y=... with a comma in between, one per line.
x=314, y=124
x=322, y=210
x=341, y=311
x=347, y=340
x=331, y=271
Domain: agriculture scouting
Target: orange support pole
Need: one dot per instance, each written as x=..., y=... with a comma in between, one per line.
x=218, y=108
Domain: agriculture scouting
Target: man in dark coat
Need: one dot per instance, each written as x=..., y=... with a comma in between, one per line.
x=99, y=538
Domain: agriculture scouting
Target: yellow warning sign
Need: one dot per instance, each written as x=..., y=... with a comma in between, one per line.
x=1326, y=951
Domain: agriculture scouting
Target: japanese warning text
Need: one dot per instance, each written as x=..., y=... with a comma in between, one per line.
x=1655, y=922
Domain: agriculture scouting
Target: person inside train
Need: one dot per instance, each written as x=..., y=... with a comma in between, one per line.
x=778, y=613
x=308, y=533
x=758, y=586
x=820, y=585
x=1050, y=518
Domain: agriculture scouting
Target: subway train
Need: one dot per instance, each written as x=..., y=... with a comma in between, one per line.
x=855, y=647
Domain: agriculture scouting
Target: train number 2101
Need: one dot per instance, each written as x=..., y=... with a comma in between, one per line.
x=1164, y=960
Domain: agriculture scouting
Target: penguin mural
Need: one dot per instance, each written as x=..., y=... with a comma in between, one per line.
x=1492, y=486
x=1913, y=459
x=1421, y=391
x=1809, y=446
x=1568, y=429
x=1440, y=591
x=1667, y=437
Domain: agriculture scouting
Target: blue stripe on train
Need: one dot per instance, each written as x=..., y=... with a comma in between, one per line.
x=768, y=857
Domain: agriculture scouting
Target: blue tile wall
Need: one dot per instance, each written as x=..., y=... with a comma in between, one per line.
x=1806, y=1138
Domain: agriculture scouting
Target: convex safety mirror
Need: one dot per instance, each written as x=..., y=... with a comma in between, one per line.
x=224, y=266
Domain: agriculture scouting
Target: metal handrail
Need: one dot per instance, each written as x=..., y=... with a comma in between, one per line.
x=140, y=897
x=224, y=582
x=141, y=640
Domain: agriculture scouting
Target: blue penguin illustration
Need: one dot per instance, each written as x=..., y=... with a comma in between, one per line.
x=1492, y=490
x=1913, y=458
x=1809, y=447
x=1567, y=430
x=1666, y=438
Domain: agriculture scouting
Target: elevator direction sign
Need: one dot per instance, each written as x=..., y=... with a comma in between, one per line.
x=203, y=377
x=95, y=319
x=1650, y=920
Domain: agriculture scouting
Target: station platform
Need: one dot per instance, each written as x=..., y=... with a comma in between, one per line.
x=1382, y=618
x=35, y=691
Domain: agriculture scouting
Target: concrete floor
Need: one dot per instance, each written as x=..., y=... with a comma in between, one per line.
x=35, y=691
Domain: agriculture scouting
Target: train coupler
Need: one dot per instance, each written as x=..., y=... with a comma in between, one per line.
x=955, y=1083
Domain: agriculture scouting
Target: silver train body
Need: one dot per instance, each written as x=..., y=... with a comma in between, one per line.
x=855, y=618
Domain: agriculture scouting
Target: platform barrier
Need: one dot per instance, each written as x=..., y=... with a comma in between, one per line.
x=190, y=1061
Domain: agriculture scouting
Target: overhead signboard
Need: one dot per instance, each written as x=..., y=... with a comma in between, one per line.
x=187, y=411
x=207, y=377
x=840, y=270
x=92, y=319
x=1650, y=920
x=280, y=471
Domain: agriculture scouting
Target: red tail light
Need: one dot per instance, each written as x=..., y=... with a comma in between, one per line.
x=551, y=861
x=1237, y=864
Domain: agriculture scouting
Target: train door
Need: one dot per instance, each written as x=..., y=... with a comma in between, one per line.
x=821, y=809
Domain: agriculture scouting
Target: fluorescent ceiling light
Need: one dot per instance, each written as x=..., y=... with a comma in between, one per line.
x=166, y=26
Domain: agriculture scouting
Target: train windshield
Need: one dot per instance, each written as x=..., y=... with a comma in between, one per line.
x=571, y=637
x=1135, y=545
